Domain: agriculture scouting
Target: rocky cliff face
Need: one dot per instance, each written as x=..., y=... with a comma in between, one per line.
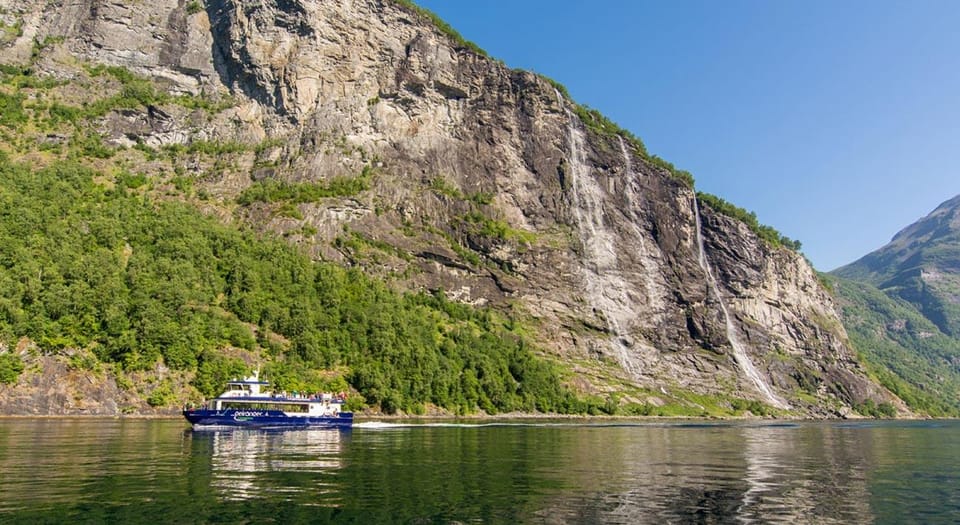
x=483, y=182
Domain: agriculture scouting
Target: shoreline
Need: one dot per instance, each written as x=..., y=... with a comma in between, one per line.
x=367, y=418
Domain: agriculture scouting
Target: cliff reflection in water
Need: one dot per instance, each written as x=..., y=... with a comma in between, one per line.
x=716, y=473
x=803, y=474
x=280, y=464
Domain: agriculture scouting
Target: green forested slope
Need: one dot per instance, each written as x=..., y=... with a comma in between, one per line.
x=87, y=262
x=904, y=350
x=101, y=254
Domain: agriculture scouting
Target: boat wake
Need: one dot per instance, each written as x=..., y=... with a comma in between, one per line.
x=383, y=425
x=380, y=425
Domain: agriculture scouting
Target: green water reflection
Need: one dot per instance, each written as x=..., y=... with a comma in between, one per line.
x=137, y=471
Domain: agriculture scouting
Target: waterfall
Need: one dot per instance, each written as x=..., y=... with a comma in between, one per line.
x=606, y=288
x=739, y=353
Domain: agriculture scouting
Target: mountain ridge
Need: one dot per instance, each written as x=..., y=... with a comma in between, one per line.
x=921, y=264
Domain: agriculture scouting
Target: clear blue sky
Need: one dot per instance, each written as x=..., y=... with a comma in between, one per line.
x=836, y=121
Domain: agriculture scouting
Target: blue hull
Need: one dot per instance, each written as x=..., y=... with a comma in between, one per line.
x=263, y=419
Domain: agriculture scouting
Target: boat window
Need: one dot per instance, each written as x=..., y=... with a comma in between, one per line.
x=265, y=405
x=251, y=406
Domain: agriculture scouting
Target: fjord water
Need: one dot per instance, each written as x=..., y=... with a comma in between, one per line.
x=160, y=471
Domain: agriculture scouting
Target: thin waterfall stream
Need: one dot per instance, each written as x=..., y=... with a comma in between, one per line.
x=739, y=353
x=605, y=287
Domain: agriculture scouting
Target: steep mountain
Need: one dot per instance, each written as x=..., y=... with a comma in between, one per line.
x=369, y=135
x=921, y=265
x=901, y=305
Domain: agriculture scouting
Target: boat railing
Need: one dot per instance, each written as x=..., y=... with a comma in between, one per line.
x=340, y=397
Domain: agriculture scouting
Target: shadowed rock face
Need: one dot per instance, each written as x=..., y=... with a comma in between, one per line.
x=485, y=185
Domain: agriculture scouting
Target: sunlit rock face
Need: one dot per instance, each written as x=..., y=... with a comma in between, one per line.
x=483, y=182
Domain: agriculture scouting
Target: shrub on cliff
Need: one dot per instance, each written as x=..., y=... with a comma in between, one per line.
x=10, y=367
x=767, y=233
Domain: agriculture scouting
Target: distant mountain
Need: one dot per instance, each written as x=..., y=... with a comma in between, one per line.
x=920, y=265
x=901, y=308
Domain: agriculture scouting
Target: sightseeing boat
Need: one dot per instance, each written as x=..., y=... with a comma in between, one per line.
x=246, y=403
